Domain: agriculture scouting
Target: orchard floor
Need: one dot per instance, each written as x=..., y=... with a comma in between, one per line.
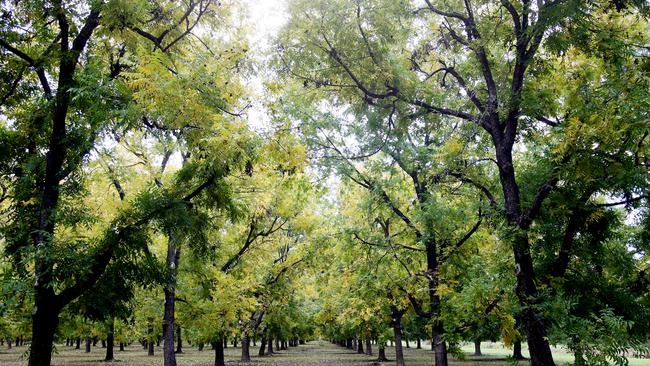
x=314, y=353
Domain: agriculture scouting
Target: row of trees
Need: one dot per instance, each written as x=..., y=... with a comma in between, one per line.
x=493, y=157
x=490, y=162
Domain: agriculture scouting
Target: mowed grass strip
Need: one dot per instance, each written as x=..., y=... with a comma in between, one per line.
x=313, y=353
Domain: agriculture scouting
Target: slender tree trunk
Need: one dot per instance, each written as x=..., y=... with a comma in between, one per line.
x=477, y=348
x=88, y=343
x=397, y=330
x=262, y=351
x=419, y=343
x=95, y=340
x=360, y=346
x=173, y=257
x=270, y=346
x=78, y=345
x=516, y=351
x=368, y=347
x=9, y=342
x=150, y=342
x=218, y=353
x=407, y=343
x=355, y=343
x=179, y=340
x=277, y=344
x=110, y=339
x=121, y=346
x=245, y=348
x=225, y=343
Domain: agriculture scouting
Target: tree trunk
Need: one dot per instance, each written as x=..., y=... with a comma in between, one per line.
x=382, y=354
x=355, y=342
x=45, y=319
x=95, y=340
x=9, y=342
x=201, y=345
x=360, y=346
x=218, y=353
x=173, y=257
x=270, y=346
x=419, y=343
x=407, y=343
x=397, y=330
x=440, y=346
x=150, y=341
x=262, y=351
x=78, y=345
x=477, y=348
x=121, y=346
x=516, y=351
x=110, y=339
x=88, y=343
x=277, y=344
x=245, y=348
x=368, y=347
x=179, y=340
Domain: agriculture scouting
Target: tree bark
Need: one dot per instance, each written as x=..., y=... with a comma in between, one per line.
x=245, y=348
x=45, y=320
x=477, y=348
x=121, y=346
x=270, y=346
x=150, y=341
x=173, y=257
x=88, y=343
x=382, y=354
x=262, y=351
x=419, y=343
x=218, y=353
x=397, y=330
x=179, y=340
x=110, y=339
x=516, y=351
x=368, y=346
x=360, y=346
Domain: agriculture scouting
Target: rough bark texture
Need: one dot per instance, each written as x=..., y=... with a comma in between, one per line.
x=382, y=354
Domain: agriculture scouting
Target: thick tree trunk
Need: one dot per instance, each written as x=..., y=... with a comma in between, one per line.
x=121, y=346
x=368, y=347
x=173, y=257
x=179, y=340
x=110, y=339
x=245, y=348
x=360, y=346
x=439, y=346
x=88, y=343
x=45, y=319
x=382, y=354
x=78, y=345
x=277, y=344
x=218, y=353
x=477, y=348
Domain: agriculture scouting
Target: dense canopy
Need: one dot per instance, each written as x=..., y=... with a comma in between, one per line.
x=371, y=172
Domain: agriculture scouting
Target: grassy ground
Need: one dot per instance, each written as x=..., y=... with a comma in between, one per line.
x=313, y=353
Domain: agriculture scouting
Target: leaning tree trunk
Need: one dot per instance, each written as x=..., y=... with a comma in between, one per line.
x=110, y=339
x=173, y=256
x=218, y=353
x=262, y=351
